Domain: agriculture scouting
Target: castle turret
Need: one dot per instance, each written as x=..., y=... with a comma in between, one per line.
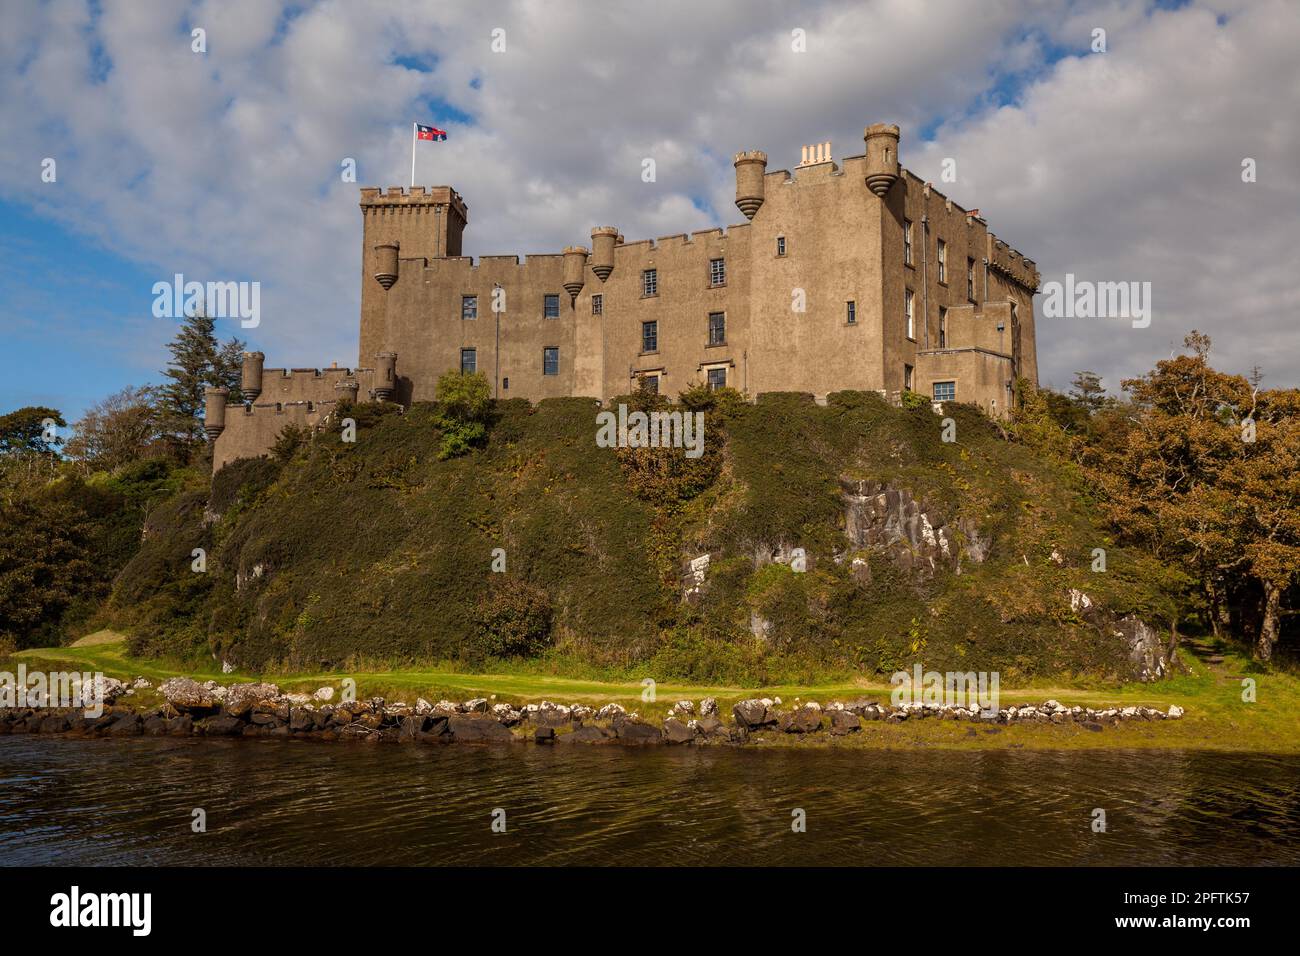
x=386, y=264
x=346, y=390
x=751, y=168
x=385, y=376
x=603, y=239
x=250, y=379
x=214, y=411
x=575, y=270
x=882, y=157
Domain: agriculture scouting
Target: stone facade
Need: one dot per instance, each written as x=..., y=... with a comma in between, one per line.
x=811, y=294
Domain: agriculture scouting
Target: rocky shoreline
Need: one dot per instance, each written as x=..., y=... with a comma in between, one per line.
x=209, y=709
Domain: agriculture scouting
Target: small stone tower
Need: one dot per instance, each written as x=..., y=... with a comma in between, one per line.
x=751, y=168
x=603, y=239
x=385, y=376
x=882, y=157
x=250, y=379
x=575, y=270
x=214, y=411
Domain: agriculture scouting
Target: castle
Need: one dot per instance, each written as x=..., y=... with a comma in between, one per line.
x=850, y=276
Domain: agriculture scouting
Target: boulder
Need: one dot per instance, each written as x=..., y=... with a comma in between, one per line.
x=156, y=725
x=240, y=698
x=126, y=725
x=478, y=705
x=754, y=713
x=181, y=726
x=544, y=735
x=586, y=735
x=506, y=714
x=636, y=733
x=610, y=711
x=324, y=694
x=844, y=722
x=189, y=696
x=684, y=707
x=805, y=720
x=223, y=726
x=466, y=729
x=709, y=707
x=1175, y=712
x=676, y=732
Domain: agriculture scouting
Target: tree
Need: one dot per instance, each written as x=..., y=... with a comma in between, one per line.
x=1088, y=391
x=116, y=431
x=1202, y=469
x=27, y=431
x=465, y=401
x=197, y=362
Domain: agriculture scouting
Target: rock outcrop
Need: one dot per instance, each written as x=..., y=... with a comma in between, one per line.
x=888, y=520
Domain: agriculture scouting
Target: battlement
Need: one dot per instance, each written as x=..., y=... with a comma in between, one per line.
x=1006, y=261
x=373, y=197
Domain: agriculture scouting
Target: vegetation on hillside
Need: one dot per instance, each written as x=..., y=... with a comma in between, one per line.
x=470, y=530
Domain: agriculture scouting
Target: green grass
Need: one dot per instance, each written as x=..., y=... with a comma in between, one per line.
x=1216, y=717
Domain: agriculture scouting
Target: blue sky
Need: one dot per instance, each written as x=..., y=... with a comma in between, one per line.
x=225, y=165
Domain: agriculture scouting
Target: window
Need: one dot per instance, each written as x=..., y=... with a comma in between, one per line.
x=551, y=306
x=943, y=261
x=907, y=377
x=550, y=361
x=851, y=312
x=717, y=272
x=469, y=307
x=970, y=279
x=907, y=242
x=468, y=361
x=945, y=391
x=717, y=328
x=909, y=306
x=597, y=305
x=649, y=336
x=780, y=245
x=717, y=379
x=505, y=384
x=943, y=327
x=650, y=383
x=650, y=282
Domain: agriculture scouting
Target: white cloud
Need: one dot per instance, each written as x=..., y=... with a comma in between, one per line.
x=1124, y=165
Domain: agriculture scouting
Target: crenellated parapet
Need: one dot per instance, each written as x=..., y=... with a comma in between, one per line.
x=1012, y=265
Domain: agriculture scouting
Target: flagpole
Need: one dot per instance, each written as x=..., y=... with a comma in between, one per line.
x=413, y=125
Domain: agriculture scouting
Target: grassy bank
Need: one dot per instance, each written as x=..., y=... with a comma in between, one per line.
x=1210, y=692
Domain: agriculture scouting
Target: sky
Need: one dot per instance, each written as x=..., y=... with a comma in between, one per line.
x=228, y=164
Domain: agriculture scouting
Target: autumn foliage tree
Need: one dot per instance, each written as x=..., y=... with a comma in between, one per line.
x=1200, y=467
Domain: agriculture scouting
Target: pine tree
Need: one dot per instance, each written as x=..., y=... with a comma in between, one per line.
x=197, y=362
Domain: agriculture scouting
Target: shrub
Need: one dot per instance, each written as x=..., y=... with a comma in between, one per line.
x=513, y=619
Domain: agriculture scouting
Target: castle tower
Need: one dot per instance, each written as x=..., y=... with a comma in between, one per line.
x=575, y=271
x=385, y=376
x=751, y=168
x=603, y=240
x=386, y=264
x=882, y=157
x=250, y=378
x=214, y=411
x=419, y=223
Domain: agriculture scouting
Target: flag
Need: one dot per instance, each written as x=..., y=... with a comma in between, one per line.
x=429, y=132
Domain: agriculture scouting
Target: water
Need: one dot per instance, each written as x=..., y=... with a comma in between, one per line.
x=68, y=801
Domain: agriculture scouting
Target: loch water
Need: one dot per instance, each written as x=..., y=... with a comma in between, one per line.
x=274, y=802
